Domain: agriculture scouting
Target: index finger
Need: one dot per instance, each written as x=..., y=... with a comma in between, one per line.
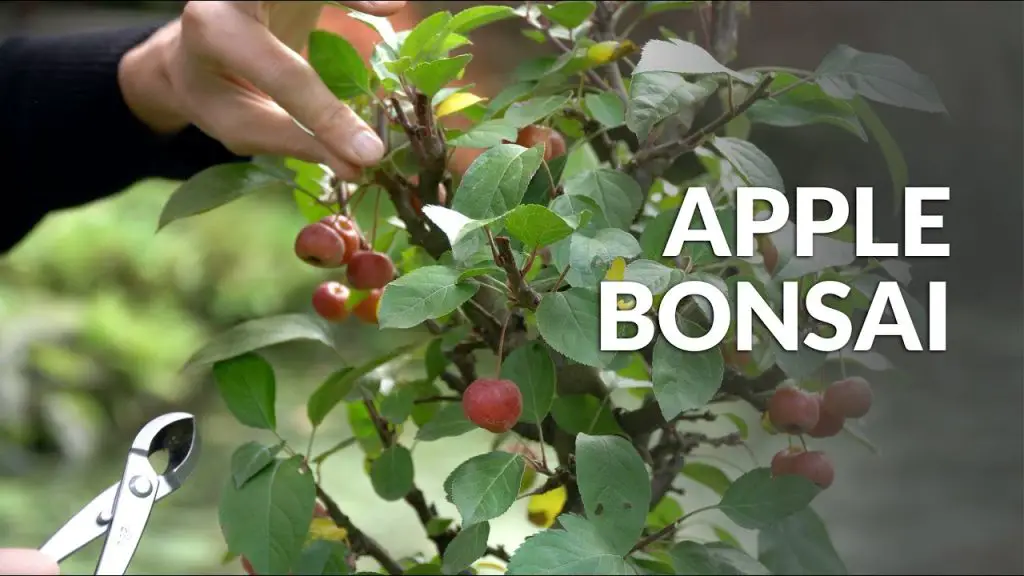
x=376, y=8
x=247, y=48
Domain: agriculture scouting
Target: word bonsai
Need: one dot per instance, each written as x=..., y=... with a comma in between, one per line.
x=582, y=162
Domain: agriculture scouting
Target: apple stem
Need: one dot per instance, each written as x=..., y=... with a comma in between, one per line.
x=501, y=344
x=803, y=442
x=376, y=212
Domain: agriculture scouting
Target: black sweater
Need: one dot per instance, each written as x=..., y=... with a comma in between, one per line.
x=68, y=137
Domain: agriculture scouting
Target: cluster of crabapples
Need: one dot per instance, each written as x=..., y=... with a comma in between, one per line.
x=818, y=415
x=334, y=242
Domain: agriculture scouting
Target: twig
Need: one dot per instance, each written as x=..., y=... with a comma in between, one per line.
x=430, y=399
x=648, y=540
x=361, y=543
x=505, y=259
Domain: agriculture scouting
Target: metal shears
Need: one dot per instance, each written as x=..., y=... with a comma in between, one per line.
x=122, y=511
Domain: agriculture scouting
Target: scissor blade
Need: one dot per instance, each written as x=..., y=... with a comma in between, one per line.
x=84, y=527
x=133, y=504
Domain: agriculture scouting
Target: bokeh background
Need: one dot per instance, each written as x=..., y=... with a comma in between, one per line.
x=97, y=313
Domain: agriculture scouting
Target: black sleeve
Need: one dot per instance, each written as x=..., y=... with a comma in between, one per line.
x=68, y=137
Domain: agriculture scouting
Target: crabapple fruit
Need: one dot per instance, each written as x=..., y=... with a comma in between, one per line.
x=345, y=228
x=554, y=143
x=330, y=300
x=366, y=309
x=370, y=270
x=494, y=405
x=792, y=410
x=829, y=424
x=782, y=462
x=850, y=397
x=814, y=466
x=320, y=245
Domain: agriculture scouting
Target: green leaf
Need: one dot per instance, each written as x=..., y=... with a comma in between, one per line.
x=887, y=144
x=268, y=518
x=657, y=7
x=665, y=512
x=339, y=65
x=568, y=322
x=803, y=105
x=431, y=76
x=217, y=186
x=339, y=384
x=496, y=181
x=463, y=233
x=467, y=546
x=655, y=96
x=426, y=37
x=585, y=414
x=247, y=385
x=449, y=421
x=324, y=558
x=397, y=405
x=568, y=13
x=576, y=549
x=685, y=380
x=485, y=486
x=655, y=234
x=846, y=71
x=478, y=271
x=591, y=255
x=261, y=333
x=799, y=545
x=379, y=24
x=658, y=278
x=250, y=459
x=606, y=108
x=756, y=500
x=713, y=559
x=707, y=475
x=465, y=21
x=753, y=165
x=617, y=195
x=364, y=429
x=544, y=181
x=423, y=294
x=683, y=58
x=392, y=473
x=531, y=368
x=486, y=134
x=615, y=488
x=528, y=112
x=536, y=226
x=437, y=526
x=740, y=423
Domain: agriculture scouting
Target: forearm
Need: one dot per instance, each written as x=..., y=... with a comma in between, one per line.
x=69, y=137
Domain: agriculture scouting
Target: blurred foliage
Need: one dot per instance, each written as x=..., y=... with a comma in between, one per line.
x=98, y=313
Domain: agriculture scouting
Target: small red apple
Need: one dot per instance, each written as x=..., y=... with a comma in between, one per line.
x=320, y=245
x=370, y=270
x=850, y=397
x=330, y=300
x=366, y=309
x=792, y=410
x=345, y=228
x=554, y=143
x=829, y=424
x=494, y=405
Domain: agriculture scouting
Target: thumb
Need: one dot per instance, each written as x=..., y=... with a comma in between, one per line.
x=26, y=561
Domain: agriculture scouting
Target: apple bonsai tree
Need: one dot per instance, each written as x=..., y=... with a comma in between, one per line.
x=583, y=161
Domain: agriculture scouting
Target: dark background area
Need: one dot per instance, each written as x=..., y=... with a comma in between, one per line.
x=946, y=493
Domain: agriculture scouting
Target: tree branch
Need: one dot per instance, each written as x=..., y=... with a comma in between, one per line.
x=361, y=543
x=521, y=291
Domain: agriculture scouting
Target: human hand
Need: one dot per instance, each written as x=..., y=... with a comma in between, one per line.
x=26, y=562
x=234, y=70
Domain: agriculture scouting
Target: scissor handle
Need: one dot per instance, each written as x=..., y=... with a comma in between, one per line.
x=89, y=524
x=133, y=504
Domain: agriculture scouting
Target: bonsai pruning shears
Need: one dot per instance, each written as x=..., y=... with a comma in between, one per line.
x=122, y=510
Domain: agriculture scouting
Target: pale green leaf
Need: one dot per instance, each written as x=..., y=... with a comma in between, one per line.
x=485, y=486
x=757, y=500
x=615, y=488
x=531, y=368
x=683, y=58
x=685, y=380
x=496, y=181
x=248, y=387
x=423, y=294
x=568, y=322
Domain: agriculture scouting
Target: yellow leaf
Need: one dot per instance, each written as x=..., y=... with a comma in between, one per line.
x=766, y=424
x=325, y=529
x=605, y=52
x=456, y=102
x=617, y=271
x=490, y=566
x=542, y=509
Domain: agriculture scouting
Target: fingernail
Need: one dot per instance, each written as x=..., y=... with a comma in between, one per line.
x=367, y=147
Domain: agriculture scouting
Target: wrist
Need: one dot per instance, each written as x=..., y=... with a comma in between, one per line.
x=143, y=77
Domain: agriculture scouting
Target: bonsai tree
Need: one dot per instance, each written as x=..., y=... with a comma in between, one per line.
x=582, y=164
